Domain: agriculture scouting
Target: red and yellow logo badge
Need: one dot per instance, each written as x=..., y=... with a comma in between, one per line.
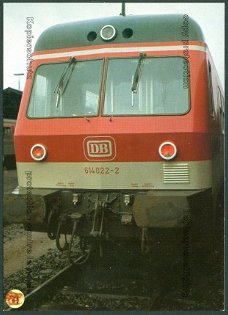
x=15, y=298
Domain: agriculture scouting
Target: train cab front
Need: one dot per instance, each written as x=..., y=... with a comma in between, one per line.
x=106, y=140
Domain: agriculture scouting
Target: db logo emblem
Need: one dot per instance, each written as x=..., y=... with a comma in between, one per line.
x=99, y=148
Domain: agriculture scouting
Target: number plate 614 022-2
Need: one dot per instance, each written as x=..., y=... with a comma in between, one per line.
x=102, y=170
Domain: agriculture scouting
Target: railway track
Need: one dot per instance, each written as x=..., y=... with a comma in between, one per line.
x=101, y=302
x=69, y=297
x=101, y=284
x=118, y=282
x=39, y=295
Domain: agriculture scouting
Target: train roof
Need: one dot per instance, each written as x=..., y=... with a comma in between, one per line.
x=131, y=29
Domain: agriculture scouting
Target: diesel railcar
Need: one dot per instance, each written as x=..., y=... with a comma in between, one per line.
x=120, y=130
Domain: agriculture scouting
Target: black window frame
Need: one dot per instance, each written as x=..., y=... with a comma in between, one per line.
x=149, y=115
x=66, y=117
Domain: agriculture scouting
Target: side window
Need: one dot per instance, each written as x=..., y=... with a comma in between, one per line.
x=211, y=94
x=223, y=113
x=221, y=108
x=210, y=87
x=220, y=102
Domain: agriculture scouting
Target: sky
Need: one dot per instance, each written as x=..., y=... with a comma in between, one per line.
x=210, y=16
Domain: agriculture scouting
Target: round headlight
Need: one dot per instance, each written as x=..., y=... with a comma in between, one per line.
x=108, y=32
x=167, y=150
x=38, y=152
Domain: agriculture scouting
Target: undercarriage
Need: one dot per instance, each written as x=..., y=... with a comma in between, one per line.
x=80, y=220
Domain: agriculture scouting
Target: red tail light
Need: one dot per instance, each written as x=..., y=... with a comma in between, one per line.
x=167, y=150
x=38, y=152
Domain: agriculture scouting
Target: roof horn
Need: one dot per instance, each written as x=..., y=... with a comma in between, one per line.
x=123, y=13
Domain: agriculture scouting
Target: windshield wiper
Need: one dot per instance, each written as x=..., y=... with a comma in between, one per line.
x=64, y=79
x=137, y=74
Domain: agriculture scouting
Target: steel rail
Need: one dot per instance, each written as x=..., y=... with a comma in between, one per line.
x=36, y=296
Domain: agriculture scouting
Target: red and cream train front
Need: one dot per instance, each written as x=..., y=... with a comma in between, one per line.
x=116, y=130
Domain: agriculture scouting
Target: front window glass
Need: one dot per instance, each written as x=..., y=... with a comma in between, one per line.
x=66, y=90
x=147, y=86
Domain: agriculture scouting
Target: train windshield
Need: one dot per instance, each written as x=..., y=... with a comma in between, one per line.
x=161, y=89
x=77, y=96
